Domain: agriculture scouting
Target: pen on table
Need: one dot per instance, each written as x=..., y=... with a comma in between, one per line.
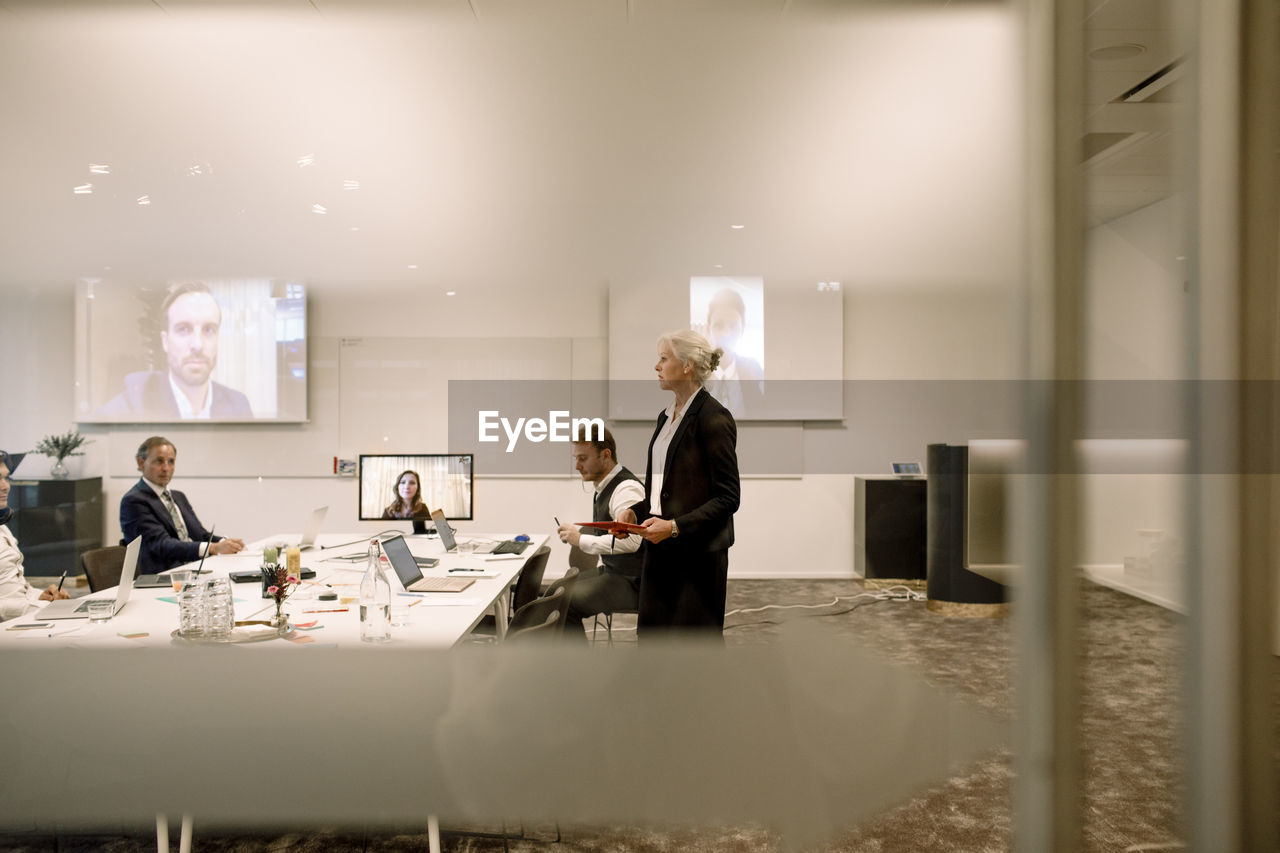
x=466, y=571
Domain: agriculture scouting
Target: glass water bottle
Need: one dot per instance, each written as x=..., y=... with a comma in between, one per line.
x=375, y=599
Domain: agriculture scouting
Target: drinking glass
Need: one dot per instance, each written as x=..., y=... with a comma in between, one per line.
x=191, y=609
x=219, y=612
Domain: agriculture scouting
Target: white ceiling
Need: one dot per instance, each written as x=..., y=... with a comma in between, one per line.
x=557, y=142
x=1135, y=166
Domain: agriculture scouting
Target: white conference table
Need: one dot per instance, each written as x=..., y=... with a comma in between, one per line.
x=435, y=619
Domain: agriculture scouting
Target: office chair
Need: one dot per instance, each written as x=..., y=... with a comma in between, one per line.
x=566, y=584
x=607, y=616
x=526, y=589
x=547, y=629
x=589, y=564
x=582, y=561
x=529, y=584
x=102, y=566
x=535, y=613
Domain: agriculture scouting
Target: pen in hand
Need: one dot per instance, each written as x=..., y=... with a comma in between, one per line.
x=60, y=580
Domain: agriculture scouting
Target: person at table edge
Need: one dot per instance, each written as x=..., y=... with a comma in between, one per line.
x=17, y=597
x=171, y=532
x=615, y=587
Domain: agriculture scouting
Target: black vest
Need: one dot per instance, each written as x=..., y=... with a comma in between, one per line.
x=620, y=564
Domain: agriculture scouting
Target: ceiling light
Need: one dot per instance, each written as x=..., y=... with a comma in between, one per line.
x=413, y=266
x=83, y=189
x=355, y=227
x=719, y=266
x=451, y=293
x=319, y=208
x=144, y=200
x=306, y=160
x=351, y=185
x=1111, y=52
x=99, y=169
x=737, y=227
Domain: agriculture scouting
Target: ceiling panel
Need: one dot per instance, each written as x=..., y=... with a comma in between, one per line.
x=1139, y=169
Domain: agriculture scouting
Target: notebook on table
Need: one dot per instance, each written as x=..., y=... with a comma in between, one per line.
x=78, y=608
x=406, y=568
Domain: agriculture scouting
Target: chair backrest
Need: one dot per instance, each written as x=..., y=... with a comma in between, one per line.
x=565, y=585
x=102, y=566
x=549, y=628
x=529, y=584
x=553, y=607
x=582, y=561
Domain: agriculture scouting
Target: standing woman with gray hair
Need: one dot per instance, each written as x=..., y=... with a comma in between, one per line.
x=691, y=493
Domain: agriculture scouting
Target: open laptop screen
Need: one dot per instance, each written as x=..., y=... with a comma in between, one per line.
x=401, y=559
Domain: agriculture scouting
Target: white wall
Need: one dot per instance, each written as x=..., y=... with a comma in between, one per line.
x=1136, y=310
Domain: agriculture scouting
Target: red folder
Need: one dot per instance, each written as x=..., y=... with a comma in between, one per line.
x=613, y=526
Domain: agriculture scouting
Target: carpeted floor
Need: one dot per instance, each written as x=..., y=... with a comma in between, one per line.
x=1131, y=762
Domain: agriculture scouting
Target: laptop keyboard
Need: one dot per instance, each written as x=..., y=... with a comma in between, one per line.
x=510, y=546
x=436, y=584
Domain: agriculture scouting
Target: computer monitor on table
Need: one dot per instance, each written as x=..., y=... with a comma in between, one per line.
x=446, y=481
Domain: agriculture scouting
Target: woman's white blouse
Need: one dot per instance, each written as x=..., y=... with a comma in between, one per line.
x=16, y=595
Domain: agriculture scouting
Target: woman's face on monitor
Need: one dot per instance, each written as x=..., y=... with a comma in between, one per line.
x=408, y=487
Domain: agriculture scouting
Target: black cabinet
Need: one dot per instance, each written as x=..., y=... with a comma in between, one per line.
x=55, y=521
x=889, y=528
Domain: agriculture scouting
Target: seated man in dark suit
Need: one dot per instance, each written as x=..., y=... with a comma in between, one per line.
x=171, y=533
x=192, y=321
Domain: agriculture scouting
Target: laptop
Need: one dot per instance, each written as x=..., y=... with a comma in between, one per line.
x=446, y=532
x=313, y=529
x=78, y=608
x=506, y=546
x=406, y=568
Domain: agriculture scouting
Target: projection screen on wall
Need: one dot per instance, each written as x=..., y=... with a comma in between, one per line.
x=230, y=350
